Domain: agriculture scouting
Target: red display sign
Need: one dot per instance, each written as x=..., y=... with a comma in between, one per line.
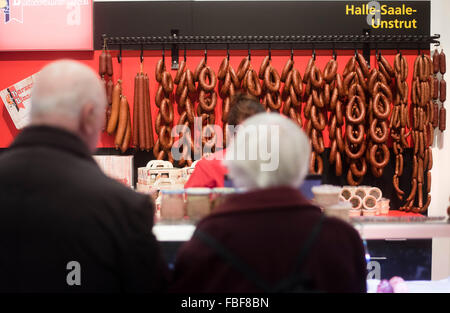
x=46, y=25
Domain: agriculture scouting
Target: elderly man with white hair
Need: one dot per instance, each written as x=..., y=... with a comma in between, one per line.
x=270, y=238
x=64, y=225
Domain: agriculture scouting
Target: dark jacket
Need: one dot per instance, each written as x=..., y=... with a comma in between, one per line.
x=267, y=229
x=57, y=206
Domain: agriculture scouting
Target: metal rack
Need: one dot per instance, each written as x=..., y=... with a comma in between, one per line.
x=365, y=42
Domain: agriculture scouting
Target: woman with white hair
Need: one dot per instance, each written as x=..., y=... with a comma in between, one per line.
x=270, y=238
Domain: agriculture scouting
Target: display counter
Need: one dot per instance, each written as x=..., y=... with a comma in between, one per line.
x=406, y=227
x=401, y=245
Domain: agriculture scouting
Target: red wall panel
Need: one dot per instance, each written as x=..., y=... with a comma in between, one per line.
x=15, y=66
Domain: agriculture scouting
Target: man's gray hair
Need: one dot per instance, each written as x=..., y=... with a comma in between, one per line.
x=276, y=153
x=63, y=87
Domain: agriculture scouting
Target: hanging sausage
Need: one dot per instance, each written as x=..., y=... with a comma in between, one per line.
x=185, y=90
x=270, y=94
x=207, y=100
x=315, y=114
x=400, y=120
x=333, y=90
x=380, y=99
x=164, y=119
x=292, y=91
x=354, y=86
x=422, y=108
x=228, y=83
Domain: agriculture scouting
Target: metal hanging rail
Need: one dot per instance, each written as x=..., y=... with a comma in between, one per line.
x=346, y=42
x=307, y=39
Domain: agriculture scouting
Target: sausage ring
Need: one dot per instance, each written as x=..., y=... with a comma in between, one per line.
x=166, y=111
x=297, y=82
x=355, y=155
x=287, y=68
x=253, y=85
x=272, y=79
x=385, y=154
x=167, y=82
x=204, y=73
x=190, y=81
x=316, y=77
x=181, y=84
x=223, y=69
x=180, y=72
x=208, y=130
x=263, y=67
x=350, y=133
x=271, y=102
x=159, y=95
x=354, y=167
x=160, y=67
x=351, y=108
x=165, y=138
x=374, y=134
x=317, y=141
x=352, y=181
x=198, y=69
x=330, y=70
x=312, y=165
x=206, y=103
x=243, y=67
x=318, y=120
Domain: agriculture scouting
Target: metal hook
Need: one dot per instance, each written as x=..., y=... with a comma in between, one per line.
x=292, y=53
x=356, y=52
x=399, y=52
x=249, y=53
x=142, y=53
x=334, y=53
x=314, y=53
x=228, y=52
x=206, y=53
x=270, y=53
x=119, y=56
x=164, y=55
x=184, y=53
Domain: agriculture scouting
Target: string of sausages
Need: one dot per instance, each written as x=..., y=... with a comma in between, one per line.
x=105, y=70
x=355, y=116
x=439, y=90
x=422, y=135
x=142, y=118
x=184, y=92
x=243, y=69
x=117, y=120
x=270, y=94
x=165, y=117
x=378, y=87
x=315, y=114
x=292, y=92
x=207, y=100
x=333, y=91
x=400, y=120
x=228, y=83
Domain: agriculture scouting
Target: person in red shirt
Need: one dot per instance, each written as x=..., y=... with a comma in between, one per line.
x=209, y=171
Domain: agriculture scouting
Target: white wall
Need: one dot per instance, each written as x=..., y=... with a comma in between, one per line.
x=440, y=174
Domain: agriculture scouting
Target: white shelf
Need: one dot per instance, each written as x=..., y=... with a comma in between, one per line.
x=395, y=231
x=168, y=232
x=390, y=231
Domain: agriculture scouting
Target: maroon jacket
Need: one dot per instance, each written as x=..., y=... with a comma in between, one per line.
x=267, y=229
